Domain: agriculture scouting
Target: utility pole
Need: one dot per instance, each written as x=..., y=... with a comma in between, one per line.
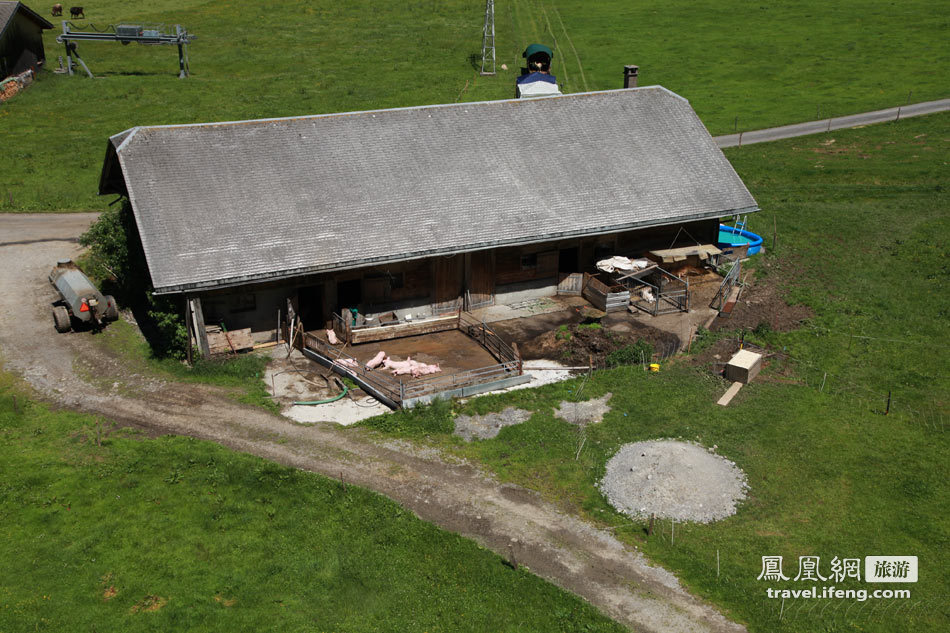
x=488, y=39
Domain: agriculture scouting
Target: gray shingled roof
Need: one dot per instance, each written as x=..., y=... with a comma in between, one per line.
x=7, y=9
x=226, y=203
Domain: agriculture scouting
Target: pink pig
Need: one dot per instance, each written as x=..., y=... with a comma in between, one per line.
x=377, y=360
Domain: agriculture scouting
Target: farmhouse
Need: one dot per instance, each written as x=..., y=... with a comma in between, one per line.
x=21, y=38
x=386, y=220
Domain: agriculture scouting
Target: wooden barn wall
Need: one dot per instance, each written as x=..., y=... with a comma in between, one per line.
x=21, y=46
x=252, y=307
x=525, y=263
x=440, y=280
x=661, y=237
x=401, y=281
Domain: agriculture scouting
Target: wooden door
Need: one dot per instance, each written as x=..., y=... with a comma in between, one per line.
x=481, y=281
x=448, y=283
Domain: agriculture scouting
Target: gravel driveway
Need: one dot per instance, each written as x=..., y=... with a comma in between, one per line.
x=458, y=497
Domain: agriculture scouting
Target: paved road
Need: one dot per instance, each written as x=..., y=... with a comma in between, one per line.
x=826, y=125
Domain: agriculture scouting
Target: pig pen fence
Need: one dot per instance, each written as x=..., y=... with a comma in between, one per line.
x=660, y=292
x=398, y=392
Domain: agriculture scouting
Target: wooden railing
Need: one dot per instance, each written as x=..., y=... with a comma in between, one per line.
x=729, y=280
x=480, y=332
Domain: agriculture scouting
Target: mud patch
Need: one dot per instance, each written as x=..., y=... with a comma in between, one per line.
x=716, y=355
x=761, y=305
x=483, y=427
x=579, y=344
x=226, y=602
x=149, y=604
x=674, y=480
x=584, y=413
x=519, y=495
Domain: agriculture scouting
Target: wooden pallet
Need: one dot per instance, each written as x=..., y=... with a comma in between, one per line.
x=730, y=304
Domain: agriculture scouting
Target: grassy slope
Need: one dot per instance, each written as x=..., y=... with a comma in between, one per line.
x=223, y=541
x=863, y=240
x=767, y=65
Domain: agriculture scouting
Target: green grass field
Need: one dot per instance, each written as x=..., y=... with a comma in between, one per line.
x=862, y=231
x=104, y=531
x=767, y=65
x=862, y=239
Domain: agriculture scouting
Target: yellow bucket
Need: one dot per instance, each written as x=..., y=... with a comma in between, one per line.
x=654, y=367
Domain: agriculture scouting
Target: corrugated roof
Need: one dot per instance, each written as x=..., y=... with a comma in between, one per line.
x=226, y=203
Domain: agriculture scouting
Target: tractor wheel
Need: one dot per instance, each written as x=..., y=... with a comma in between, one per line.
x=112, y=310
x=61, y=319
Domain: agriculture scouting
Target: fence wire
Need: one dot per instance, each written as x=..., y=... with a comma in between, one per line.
x=812, y=375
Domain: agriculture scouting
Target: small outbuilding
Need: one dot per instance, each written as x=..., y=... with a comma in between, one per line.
x=21, y=38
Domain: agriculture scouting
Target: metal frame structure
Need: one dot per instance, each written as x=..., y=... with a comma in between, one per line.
x=126, y=34
x=488, y=38
x=669, y=292
x=720, y=302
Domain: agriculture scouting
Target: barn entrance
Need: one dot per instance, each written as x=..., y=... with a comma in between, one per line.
x=349, y=294
x=310, y=306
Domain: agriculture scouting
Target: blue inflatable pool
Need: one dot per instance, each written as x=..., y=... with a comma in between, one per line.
x=731, y=236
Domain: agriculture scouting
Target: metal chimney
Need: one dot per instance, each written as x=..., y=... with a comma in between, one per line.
x=630, y=74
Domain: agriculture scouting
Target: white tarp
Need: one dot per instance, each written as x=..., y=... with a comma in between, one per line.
x=622, y=263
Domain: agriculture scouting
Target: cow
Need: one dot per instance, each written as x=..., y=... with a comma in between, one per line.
x=57, y=10
x=76, y=12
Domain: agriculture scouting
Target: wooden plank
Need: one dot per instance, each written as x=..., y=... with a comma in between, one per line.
x=638, y=274
x=223, y=342
x=679, y=254
x=730, y=302
x=199, y=324
x=389, y=332
x=730, y=394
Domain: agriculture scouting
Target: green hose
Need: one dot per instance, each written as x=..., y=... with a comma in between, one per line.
x=328, y=400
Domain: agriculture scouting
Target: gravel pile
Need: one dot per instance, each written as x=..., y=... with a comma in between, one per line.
x=584, y=413
x=483, y=427
x=675, y=480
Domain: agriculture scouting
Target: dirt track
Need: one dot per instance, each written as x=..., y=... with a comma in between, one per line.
x=508, y=519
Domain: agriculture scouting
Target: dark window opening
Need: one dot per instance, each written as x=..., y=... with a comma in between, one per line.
x=529, y=262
